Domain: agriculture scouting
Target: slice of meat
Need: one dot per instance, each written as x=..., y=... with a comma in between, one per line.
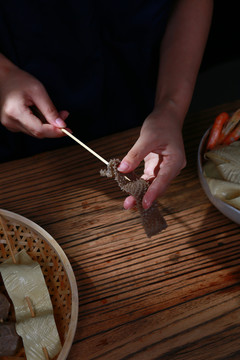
x=10, y=341
x=152, y=220
x=4, y=307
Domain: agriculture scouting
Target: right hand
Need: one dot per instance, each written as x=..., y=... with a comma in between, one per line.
x=20, y=92
x=160, y=145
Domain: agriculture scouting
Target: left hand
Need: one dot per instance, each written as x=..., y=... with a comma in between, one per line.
x=160, y=145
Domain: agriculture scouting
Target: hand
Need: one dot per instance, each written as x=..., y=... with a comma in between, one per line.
x=20, y=93
x=160, y=144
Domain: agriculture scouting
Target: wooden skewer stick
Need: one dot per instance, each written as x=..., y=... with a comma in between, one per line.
x=33, y=315
x=85, y=146
x=7, y=238
x=30, y=306
x=45, y=353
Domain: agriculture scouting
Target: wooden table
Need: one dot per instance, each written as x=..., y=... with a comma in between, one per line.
x=175, y=296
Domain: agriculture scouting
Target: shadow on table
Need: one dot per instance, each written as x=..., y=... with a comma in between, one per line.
x=215, y=240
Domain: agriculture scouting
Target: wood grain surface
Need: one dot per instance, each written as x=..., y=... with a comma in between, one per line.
x=175, y=296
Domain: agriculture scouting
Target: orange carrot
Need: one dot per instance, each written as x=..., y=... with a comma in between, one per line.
x=216, y=130
x=229, y=126
x=233, y=136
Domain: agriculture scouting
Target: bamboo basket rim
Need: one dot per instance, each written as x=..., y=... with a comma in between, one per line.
x=69, y=271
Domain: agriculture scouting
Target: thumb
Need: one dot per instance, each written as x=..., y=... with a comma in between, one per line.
x=135, y=155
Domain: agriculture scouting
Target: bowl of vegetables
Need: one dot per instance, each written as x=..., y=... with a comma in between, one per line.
x=219, y=164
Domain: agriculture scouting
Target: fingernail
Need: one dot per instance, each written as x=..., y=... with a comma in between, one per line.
x=126, y=205
x=60, y=123
x=146, y=204
x=123, y=166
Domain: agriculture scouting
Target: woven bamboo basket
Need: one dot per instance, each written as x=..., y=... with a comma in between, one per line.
x=22, y=233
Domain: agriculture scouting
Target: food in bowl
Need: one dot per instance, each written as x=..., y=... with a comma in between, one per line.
x=219, y=164
x=18, y=233
x=222, y=172
x=225, y=130
x=35, y=323
x=10, y=341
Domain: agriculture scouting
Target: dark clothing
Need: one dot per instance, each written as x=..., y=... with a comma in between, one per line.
x=97, y=59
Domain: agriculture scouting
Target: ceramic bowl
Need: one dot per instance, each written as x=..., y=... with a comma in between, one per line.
x=226, y=209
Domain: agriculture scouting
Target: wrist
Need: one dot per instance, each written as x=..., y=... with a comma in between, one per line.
x=169, y=108
x=175, y=98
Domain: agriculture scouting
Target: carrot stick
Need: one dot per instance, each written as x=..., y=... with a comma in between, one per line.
x=233, y=136
x=216, y=130
x=231, y=124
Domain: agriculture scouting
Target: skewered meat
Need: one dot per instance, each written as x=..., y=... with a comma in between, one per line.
x=4, y=307
x=10, y=341
x=152, y=220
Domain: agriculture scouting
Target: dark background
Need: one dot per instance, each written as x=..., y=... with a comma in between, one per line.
x=219, y=78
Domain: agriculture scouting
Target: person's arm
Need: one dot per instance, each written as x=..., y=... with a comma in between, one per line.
x=160, y=142
x=20, y=92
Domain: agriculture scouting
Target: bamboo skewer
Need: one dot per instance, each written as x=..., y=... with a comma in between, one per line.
x=33, y=315
x=85, y=146
x=7, y=239
x=30, y=306
x=45, y=353
x=88, y=148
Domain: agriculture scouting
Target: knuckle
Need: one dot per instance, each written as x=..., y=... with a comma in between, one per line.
x=9, y=109
x=133, y=155
x=36, y=87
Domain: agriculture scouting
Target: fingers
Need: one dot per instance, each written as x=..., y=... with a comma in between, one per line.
x=160, y=171
x=158, y=187
x=135, y=155
x=17, y=116
x=160, y=144
x=14, y=126
x=129, y=203
x=44, y=104
x=27, y=107
x=22, y=119
x=32, y=125
x=169, y=169
x=151, y=166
